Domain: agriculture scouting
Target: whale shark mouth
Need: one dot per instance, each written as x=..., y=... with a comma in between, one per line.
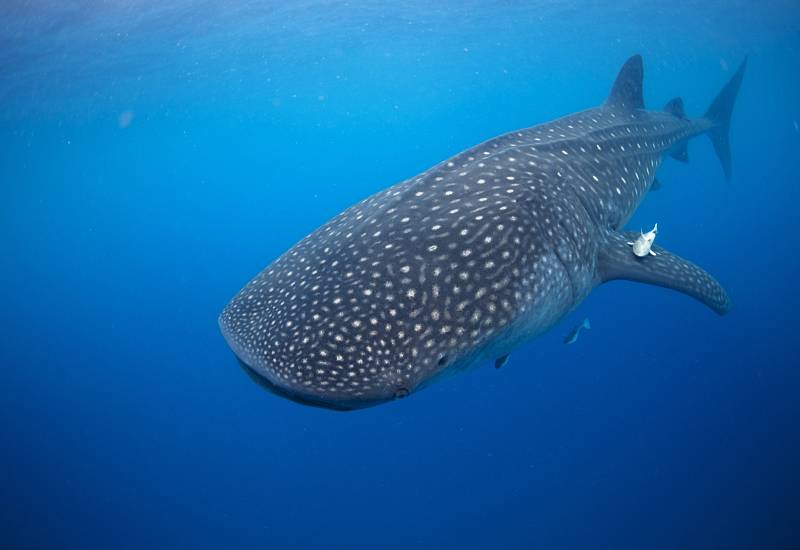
x=307, y=399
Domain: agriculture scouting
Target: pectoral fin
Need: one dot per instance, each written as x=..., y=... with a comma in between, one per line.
x=616, y=261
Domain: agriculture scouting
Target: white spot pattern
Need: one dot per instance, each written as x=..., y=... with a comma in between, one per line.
x=417, y=277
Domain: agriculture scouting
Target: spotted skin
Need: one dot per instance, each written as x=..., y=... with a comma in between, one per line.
x=663, y=269
x=457, y=265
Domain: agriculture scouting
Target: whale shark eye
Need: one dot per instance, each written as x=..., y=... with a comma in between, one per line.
x=400, y=393
x=442, y=360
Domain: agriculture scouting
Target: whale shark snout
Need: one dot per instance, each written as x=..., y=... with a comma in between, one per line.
x=335, y=381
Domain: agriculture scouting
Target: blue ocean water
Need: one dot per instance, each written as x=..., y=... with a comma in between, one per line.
x=156, y=155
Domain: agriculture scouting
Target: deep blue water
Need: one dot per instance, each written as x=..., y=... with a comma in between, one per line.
x=154, y=156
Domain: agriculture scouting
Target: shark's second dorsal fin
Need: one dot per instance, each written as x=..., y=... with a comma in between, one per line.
x=626, y=93
x=617, y=261
x=675, y=107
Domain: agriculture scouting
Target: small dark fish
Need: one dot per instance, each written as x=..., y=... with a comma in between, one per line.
x=500, y=361
x=572, y=337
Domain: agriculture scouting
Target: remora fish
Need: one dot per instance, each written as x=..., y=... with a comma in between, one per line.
x=572, y=336
x=458, y=265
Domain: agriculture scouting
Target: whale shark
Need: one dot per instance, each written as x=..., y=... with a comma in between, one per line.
x=458, y=265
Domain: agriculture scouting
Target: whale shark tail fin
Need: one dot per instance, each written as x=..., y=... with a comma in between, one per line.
x=719, y=114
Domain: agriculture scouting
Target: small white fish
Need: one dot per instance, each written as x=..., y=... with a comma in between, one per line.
x=641, y=247
x=572, y=337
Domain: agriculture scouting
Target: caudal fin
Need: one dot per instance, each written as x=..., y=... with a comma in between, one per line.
x=719, y=113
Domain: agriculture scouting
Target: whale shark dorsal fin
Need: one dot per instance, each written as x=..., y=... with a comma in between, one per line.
x=665, y=269
x=626, y=93
x=675, y=107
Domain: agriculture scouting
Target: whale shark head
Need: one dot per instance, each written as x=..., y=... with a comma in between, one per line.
x=393, y=292
x=338, y=335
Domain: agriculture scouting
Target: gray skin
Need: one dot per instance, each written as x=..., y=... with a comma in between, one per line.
x=460, y=264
